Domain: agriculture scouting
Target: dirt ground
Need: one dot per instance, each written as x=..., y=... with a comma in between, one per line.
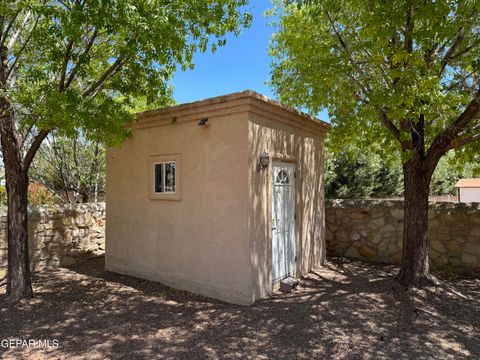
x=345, y=310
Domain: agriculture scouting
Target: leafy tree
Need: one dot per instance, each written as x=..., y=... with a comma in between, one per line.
x=449, y=171
x=388, y=180
x=401, y=77
x=353, y=174
x=356, y=175
x=79, y=65
x=71, y=168
x=348, y=177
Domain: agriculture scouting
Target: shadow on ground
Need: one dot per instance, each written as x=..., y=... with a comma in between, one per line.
x=345, y=310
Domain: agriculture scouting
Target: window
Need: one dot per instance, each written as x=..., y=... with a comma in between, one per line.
x=165, y=177
x=164, y=173
x=282, y=178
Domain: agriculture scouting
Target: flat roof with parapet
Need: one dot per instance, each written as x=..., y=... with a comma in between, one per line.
x=220, y=103
x=468, y=183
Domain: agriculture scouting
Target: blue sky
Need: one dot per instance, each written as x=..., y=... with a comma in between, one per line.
x=243, y=63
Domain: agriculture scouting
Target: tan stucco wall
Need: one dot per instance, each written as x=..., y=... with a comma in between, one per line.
x=197, y=243
x=272, y=132
x=215, y=237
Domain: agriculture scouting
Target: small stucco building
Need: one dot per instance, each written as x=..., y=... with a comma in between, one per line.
x=223, y=197
x=468, y=190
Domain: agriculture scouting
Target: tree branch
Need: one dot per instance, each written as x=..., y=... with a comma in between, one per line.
x=2, y=24
x=13, y=67
x=462, y=81
x=108, y=73
x=365, y=89
x=65, y=5
x=449, y=54
x=362, y=87
x=471, y=112
x=429, y=54
x=408, y=30
x=75, y=69
x=13, y=39
x=445, y=139
x=461, y=142
x=66, y=59
x=417, y=132
x=34, y=148
x=406, y=145
x=8, y=28
x=345, y=47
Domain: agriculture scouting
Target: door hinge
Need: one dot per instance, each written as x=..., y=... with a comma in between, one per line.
x=295, y=216
x=294, y=174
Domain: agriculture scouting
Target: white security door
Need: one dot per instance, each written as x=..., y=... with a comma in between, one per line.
x=283, y=222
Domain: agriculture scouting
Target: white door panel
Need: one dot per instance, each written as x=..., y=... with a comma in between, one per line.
x=283, y=220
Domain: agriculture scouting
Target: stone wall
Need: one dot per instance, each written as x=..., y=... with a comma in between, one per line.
x=369, y=230
x=60, y=235
x=372, y=230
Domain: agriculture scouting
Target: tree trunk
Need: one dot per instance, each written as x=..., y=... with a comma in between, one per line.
x=414, y=269
x=19, y=284
x=17, y=161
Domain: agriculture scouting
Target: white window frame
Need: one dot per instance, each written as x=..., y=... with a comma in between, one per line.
x=164, y=159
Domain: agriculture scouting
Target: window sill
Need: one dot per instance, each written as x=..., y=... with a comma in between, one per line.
x=165, y=196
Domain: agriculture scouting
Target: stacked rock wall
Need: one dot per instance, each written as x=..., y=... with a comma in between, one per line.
x=368, y=230
x=372, y=230
x=60, y=235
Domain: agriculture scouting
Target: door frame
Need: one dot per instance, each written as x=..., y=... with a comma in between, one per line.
x=275, y=162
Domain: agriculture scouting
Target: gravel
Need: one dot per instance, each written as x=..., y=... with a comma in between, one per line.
x=344, y=310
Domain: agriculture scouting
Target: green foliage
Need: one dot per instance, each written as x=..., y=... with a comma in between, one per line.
x=72, y=169
x=85, y=66
x=388, y=180
x=361, y=60
x=448, y=172
x=355, y=174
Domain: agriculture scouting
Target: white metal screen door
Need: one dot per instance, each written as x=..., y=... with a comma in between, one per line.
x=283, y=222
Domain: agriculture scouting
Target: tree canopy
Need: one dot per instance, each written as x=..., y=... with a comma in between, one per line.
x=77, y=64
x=380, y=66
